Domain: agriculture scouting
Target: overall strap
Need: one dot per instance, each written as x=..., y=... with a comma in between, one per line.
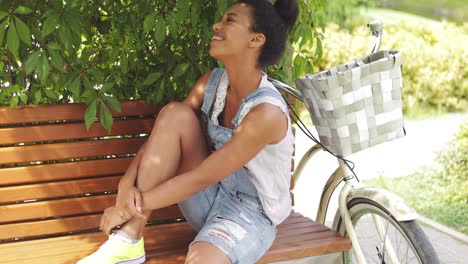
x=210, y=90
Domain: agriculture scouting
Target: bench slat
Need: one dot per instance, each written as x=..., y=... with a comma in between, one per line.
x=52, y=132
x=72, y=112
x=314, y=247
x=63, y=171
x=70, y=206
x=70, y=249
x=63, y=151
x=58, y=189
x=172, y=239
x=72, y=224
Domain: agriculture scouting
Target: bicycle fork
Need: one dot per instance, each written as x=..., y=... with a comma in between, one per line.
x=350, y=186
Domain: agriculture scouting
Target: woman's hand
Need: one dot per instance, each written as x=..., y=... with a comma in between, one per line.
x=129, y=199
x=112, y=217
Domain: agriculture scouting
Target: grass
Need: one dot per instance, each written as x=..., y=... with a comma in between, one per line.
x=430, y=196
x=453, y=10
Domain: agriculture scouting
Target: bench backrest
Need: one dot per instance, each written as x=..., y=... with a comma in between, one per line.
x=57, y=177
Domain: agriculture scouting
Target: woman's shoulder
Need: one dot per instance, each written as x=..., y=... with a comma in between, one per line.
x=195, y=97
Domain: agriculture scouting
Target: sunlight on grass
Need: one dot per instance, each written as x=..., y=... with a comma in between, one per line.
x=429, y=195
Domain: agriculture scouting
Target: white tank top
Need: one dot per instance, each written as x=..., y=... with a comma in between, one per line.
x=270, y=169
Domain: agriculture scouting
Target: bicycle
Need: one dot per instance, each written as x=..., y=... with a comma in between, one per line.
x=397, y=238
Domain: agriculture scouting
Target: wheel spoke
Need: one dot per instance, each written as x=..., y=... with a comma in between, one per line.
x=383, y=239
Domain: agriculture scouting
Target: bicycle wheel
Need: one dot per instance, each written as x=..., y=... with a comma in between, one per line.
x=398, y=242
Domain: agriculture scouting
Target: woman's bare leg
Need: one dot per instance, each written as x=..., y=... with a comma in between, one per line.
x=176, y=145
x=206, y=253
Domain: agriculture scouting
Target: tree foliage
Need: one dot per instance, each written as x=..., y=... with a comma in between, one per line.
x=102, y=52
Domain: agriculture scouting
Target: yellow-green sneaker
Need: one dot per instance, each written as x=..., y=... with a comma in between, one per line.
x=115, y=250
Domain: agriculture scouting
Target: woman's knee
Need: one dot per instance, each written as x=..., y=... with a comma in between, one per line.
x=176, y=113
x=206, y=253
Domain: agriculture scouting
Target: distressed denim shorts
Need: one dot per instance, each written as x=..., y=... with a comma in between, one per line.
x=232, y=221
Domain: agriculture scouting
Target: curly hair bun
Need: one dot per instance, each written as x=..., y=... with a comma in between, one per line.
x=288, y=10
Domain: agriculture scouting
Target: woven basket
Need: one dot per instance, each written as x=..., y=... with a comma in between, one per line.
x=358, y=104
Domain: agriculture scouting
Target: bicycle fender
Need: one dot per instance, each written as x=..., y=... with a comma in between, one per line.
x=394, y=204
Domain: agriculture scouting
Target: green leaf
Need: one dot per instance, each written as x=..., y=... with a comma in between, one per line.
x=105, y=117
x=53, y=46
x=65, y=36
x=24, y=98
x=318, y=49
x=43, y=68
x=37, y=96
x=57, y=60
x=87, y=84
x=23, y=31
x=149, y=23
x=172, y=21
x=31, y=63
x=90, y=114
x=113, y=103
x=50, y=94
x=50, y=24
x=183, y=9
x=222, y=6
x=152, y=78
x=23, y=10
x=13, y=40
x=160, y=93
x=124, y=62
x=2, y=31
x=14, y=101
x=89, y=96
x=194, y=15
x=107, y=87
x=160, y=30
x=180, y=69
x=3, y=15
x=75, y=86
x=282, y=76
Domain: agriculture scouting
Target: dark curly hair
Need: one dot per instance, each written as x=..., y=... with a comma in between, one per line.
x=274, y=21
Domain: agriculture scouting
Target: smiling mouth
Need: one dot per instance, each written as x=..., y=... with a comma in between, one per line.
x=217, y=38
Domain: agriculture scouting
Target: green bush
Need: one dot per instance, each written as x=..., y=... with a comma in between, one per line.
x=454, y=163
x=434, y=59
x=453, y=10
x=343, y=14
x=438, y=192
x=102, y=52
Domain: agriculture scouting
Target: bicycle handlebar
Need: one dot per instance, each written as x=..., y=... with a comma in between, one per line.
x=376, y=27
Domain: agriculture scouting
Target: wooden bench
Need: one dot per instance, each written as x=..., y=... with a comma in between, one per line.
x=56, y=178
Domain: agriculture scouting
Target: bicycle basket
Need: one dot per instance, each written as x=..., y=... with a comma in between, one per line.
x=358, y=104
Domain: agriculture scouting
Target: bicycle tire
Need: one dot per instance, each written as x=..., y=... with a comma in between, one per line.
x=410, y=232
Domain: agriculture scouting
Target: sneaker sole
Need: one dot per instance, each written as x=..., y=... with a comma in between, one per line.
x=138, y=260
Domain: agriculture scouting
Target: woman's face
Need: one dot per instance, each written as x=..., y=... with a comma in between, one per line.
x=233, y=33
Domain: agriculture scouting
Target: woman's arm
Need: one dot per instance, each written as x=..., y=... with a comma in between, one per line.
x=263, y=125
x=132, y=171
x=195, y=98
x=128, y=196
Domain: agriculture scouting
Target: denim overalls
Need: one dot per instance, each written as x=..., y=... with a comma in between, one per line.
x=229, y=214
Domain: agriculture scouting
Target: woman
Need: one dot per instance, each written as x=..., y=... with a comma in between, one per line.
x=229, y=173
